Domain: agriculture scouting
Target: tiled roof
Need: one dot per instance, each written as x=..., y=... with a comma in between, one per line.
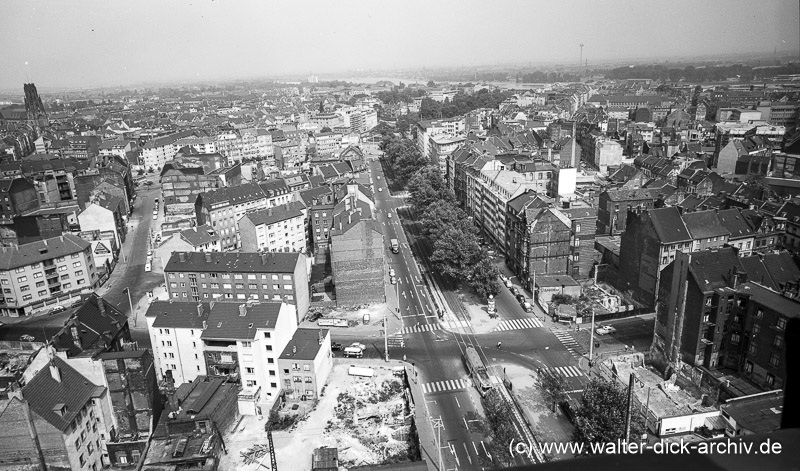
x=178, y=315
x=305, y=343
x=771, y=299
x=34, y=252
x=279, y=213
x=760, y=414
x=704, y=224
x=200, y=235
x=669, y=225
x=227, y=322
x=46, y=396
x=95, y=330
x=233, y=194
x=713, y=268
x=735, y=223
x=229, y=262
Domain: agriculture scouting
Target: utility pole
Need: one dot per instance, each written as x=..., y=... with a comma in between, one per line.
x=591, y=341
x=130, y=303
x=628, y=408
x=438, y=425
x=386, y=335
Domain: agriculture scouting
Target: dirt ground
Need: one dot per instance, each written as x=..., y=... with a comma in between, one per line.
x=547, y=426
x=320, y=427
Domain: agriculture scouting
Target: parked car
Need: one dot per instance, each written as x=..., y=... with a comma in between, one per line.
x=56, y=309
x=390, y=214
x=358, y=345
x=380, y=190
x=391, y=272
x=155, y=216
x=149, y=252
x=27, y=338
x=520, y=298
x=503, y=279
x=514, y=291
x=147, y=266
x=335, y=346
x=605, y=329
x=393, y=280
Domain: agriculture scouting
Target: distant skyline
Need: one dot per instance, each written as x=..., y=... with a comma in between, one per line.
x=94, y=43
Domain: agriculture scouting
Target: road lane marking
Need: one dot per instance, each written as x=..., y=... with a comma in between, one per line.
x=466, y=450
x=446, y=385
x=566, y=371
x=517, y=324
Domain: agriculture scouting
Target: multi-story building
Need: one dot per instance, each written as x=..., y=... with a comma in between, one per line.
x=426, y=129
x=305, y=364
x=64, y=413
x=161, y=150
x=756, y=344
x=607, y=153
x=277, y=191
x=695, y=296
x=222, y=209
x=357, y=255
x=278, y=229
x=612, y=210
x=17, y=196
x=36, y=273
x=237, y=277
x=738, y=149
x=549, y=243
x=327, y=142
x=240, y=341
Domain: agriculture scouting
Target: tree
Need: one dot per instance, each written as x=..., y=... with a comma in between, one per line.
x=552, y=386
x=499, y=415
x=425, y=187
x=431, y=83
x=454, y=253
x=322, y=106
x=325, y=129
x=405, y=159
x=482, y=277
x=600, y=418
x=443, y=214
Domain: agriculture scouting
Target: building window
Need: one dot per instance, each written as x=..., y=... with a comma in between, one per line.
x=250, y=371
x=27, y=297
x=770, y=380
x=22, y=279
x=306, y=368
x=756, y=330
x=781, y=324
x=76, y=264
x=753, y=349
x=774, y=359
x=748, y=367
x=734, y=338
x=777, y=341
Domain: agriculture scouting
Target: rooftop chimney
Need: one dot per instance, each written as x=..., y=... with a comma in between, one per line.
x=101, y=305
x=55, y=372
x=242, y=310
x=205, y=325
x=208, y=257
x=294, y=349
x=264, y=257
x=199, y=309
x=181, y=257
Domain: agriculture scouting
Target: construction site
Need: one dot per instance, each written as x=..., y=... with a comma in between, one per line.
x=364, y=414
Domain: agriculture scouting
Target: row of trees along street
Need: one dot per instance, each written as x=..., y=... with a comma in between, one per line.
x=457, y=252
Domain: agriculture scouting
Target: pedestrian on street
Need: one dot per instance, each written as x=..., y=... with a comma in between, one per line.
x=404, y=358
x=498, y=345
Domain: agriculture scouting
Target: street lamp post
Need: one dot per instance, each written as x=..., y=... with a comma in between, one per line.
x=130, y=303
x=591, y=340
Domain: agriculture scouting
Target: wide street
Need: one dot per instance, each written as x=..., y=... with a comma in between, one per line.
x=436, y=347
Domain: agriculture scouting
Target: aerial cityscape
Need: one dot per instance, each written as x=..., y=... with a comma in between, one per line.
x=426, y=236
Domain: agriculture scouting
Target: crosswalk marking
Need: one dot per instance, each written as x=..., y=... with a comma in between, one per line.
x=447, y=385
x=515, y=324
x=569, y=343
x=457, y=324
x=567, y=371
x=414, y=329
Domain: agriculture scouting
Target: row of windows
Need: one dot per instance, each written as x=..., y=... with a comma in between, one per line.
x=236, y=276
x=229, y=286
x=275, y=297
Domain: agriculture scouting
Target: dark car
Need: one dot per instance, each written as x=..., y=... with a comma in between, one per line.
x=521, y=298
x=336, y=346
x=514, y=291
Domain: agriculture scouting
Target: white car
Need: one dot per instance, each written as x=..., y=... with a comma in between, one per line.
x=391, y=272
x=149, y=252
x=147, y=267
x=155, y=216
x=358, y=345
x=605, y=329
x=390, y=215
x=380, y=190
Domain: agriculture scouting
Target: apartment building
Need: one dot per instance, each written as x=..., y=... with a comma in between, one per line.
x=245, y=144
x=426, y=129
x=223, y=208
x=38, y=273
x=305, y=364
x=65, y=413
x=237, y=277
x=328, y=142
x=278, y=229
x=159, y=151
x=240, y=341
x=17, y=196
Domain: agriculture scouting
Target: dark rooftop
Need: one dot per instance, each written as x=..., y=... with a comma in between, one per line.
x=304, y=344
x=229, y=262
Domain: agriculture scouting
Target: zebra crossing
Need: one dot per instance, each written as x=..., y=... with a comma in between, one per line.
x=448, y=385
x=457, y=324
x=566, y=371
x=516, y=324
x=415, y=329
x=569, y=343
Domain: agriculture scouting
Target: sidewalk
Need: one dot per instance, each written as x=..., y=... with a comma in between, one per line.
x=427, y=436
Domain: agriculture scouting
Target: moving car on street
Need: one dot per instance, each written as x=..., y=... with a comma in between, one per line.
x=604, y=329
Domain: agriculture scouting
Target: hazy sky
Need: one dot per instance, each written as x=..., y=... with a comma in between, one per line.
x=101, y=42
